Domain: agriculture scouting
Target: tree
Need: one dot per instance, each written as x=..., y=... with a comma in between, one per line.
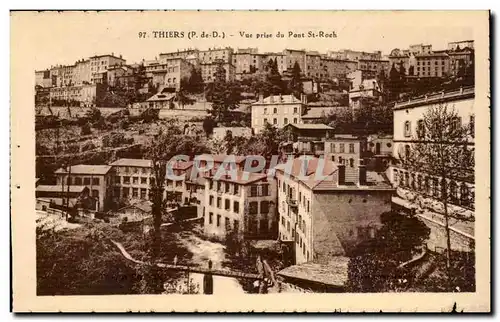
x=442, y=152
x=85, y=129
x=374, y=263
x=182, y=99
x=195, y=81
x=225, y=96
x=208, y=125
x=273, y=78
x=295, y=85
x=93, y=114
x=394, y=83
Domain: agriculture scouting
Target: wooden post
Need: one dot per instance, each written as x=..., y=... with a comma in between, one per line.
x=208, y=281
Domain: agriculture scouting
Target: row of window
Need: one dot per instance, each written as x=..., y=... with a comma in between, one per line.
x=290, y=194
x=333, y=147
x=218, y=219
x=458, y=193
x=127, y=192
x=295, y=236
x=85, y=181
x=253, y=206
x=275, y=110
x=285, y=121
x=421, y=129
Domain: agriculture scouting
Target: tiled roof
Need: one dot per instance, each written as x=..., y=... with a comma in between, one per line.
x=333, y=273
x=143, y=163
x=317, y=112
x=59, y=188
x=327, y=180
x=277, y=99
x=87, y=169
x=222, y=157
x=241, y=177
x=311, y=126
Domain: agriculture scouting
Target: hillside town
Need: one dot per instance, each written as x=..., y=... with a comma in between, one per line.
x=229, y=170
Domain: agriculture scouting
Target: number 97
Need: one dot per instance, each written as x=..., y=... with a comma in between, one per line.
x=142, y=34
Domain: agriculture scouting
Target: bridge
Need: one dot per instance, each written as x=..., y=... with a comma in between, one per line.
x=191, y=269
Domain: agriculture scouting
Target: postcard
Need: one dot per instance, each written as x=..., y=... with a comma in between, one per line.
x=250, y=161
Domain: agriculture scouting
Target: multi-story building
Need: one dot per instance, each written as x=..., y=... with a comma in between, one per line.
x=244, y=204
x=337, y=68
x=325, y=210
x=402, y=58
x=364, y=94
x=43, y=79
x=86, y=95
x=213, y=55
x=435, y=64
x=378, y=66
x=97, y=178
x=118, y=73
x=295, y=56
x=345, y=149
x=280, y=58
x=248, y=62
x=454, y=45
x=208, y=71
x=168, y=72
x=460, y=59
x=408, y=122
x=313, y=66
x=277, y=110
x=420, y=49
x=184, y=54
x=347, y=54
x=132, y=179
x=82, y=73
x=99, y=65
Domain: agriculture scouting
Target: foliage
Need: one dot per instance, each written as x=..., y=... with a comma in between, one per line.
x=93, y=115
x=182, y=99
x=373, y=267
x=208, y=125
x=115, y=139
x=225, y=96
x=441, y=150
x=295, y=86
x=150, y=115
x=194, y=83
x=85, y=129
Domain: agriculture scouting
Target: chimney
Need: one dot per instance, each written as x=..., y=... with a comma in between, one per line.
x=304, y=166
x=362, y=173
x=261, y=97
x=271, y=98
x=341, y=174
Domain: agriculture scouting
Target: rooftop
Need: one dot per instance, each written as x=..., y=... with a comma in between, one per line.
x=333, y=273
x=142, y=163
x=86, y=169
x=219, y=158
x=279, y=99
x=60, y=188
x=456, y=94
x=241, y=177
x=306, y=126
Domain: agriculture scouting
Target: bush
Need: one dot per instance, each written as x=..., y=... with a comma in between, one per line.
x=85, y=129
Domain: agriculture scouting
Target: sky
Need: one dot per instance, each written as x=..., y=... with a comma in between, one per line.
x=63, y=38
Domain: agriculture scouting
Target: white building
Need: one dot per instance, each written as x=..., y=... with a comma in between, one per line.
x=277, y=110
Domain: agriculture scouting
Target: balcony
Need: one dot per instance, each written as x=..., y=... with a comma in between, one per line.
x=292, y=202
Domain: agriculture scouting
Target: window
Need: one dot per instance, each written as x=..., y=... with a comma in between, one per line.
x=144, y=193
x=95, y=181
x=236, y=225
x=253, y=191
x=236, y=189
x=286, y=121
x=294, y=120
x=407, y=151
x=265, y=190
x=135, y=180
x=144, y=180
x=210, y=218
x=78, y=181
x=421, y=129
x=219, y=202
x=351, y=147
x=86, y=181
x=227, y=224
x=275, y=121
x=308, y=204
x=295, y=110
x=265, y=121
x=218, y=220
x=407, y=129
x=351, y=162
x=342, y=147
x=211, y=200
x=219, y=186
x=125, y=192
x=252, y=207
x=275, y=110
x=117, y=179
x=226, y=187
x=135, y=192
x=264, y=207
x=152, y=180
x=236, y=207
x=456, y=123
x=332, y=147
x=227, y=204
x=178, y=183
x=95, y=193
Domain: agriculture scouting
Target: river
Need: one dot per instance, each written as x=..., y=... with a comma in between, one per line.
x=202, y=251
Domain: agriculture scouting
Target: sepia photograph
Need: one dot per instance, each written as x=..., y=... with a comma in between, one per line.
x=198, y=153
